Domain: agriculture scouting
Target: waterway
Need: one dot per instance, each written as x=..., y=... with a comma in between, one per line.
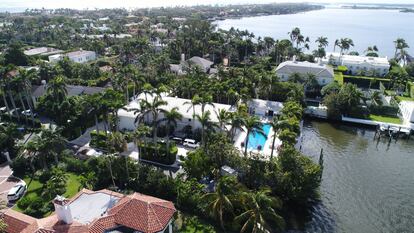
x=365, y=27
x=367, y=185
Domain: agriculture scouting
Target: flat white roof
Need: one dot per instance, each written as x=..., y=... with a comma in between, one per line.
x=352, y=59
x=265, y=104
x=88, y=207
x=79, y=53
x=185, y=109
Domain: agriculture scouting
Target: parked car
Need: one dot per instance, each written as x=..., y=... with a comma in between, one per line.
x=191, y=143
x=28, y=113
x=16, y=192
x=177, y=140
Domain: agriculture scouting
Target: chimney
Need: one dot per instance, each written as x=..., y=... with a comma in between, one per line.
x=294, y=58
x=182, y=57
x=62, y=209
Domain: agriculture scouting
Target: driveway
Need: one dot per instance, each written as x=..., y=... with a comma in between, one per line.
x=6, y=181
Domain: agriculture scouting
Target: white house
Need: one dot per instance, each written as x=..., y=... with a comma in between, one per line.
x=407, y=111
x=379, y=66
x=81, y=56
x=127, y=116
x=264, y=108
x=203, y=64
x=42, y=51
x=323, y=73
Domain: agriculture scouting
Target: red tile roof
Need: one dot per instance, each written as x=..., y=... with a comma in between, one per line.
x=17, y=222
x=143, y=213
x=137, y=211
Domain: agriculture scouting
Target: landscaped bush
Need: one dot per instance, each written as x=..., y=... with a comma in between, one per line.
x=22, y=120
x=98, y=140
x=20, y=166
x=24, y=202
x=157, y=152
x=74, y=165
x=391, y=111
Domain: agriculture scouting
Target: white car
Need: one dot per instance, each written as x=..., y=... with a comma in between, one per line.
x=191, y=143
x=28, y=113
x=16, y=192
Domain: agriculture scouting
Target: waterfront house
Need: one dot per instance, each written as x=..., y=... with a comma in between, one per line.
x=127, y=114
x=264, y=108
x=359, y=65
x=324, y=74
x=98, y=212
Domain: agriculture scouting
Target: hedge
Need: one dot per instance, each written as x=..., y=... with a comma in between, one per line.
x=14, y=119
x=390, y=111
x=98, y=140
x=157, y=152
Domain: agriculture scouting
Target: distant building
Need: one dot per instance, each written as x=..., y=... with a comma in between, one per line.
x=39, y=91
x=323, y=73
x=42, y=51
x=81, y=56
x=359, y=65
x=101, y=211
x=203, y=64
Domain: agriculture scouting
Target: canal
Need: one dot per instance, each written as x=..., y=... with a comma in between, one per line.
x=367, y=185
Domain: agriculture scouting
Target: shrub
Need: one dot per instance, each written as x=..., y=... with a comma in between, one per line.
x=157, y=152
x=391, y=111
x=24, y=202
x=20, y=166
x=75, y=165
x=98, y=140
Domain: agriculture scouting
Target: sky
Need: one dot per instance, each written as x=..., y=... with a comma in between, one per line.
x=83, y=4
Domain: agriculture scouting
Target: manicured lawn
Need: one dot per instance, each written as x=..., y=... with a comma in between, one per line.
x=386, y=119
x=192, y=224
x=406, y=98
x=339, y=77
x=35, y=188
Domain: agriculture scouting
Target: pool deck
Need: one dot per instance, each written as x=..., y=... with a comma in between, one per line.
x=267, y=149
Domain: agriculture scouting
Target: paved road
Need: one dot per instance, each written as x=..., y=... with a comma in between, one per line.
x=6, y=181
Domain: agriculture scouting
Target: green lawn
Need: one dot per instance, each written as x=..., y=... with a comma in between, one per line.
x=35, y=188
x=406, y=98
x=394, y=120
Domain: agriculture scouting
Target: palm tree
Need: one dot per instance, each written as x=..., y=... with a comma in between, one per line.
x=57, y=88
x=322, y=42
x=277, y=125
x=400, y=44
x=252, y=125
x=171, y=118
x=236, y=122
x=139, y=134
x=206, y=125
x=154, y=108
x=260, y=213
x=376, y=98
x=196, y=100
x=345, y=44
x=223, y=117
x=220, y=202
x=336, y=44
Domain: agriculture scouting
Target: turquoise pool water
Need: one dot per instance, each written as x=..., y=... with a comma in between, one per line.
x=256, y=139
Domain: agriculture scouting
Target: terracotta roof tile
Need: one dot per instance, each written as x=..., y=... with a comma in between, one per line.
x=17, y=222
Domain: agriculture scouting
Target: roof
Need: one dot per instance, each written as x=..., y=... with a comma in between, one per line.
x=353, y=59
x=265, y=104
x=79, y=53
x=16, y=221
x=143, y=213
x=41, y=51
x=38, y=91
x=182, y=106
x=97, y=212
x=201, y=62
x=90, y=206
x=290, y=67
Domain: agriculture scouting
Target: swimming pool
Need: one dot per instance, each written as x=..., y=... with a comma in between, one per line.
x=256, y=140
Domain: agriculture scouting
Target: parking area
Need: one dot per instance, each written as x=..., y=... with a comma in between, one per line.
x=6, y=181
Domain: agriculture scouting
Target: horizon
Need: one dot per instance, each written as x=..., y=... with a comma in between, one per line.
x=18, y=5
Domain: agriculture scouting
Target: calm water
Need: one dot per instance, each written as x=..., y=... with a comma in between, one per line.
x=367, y=186
x=365, y=27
